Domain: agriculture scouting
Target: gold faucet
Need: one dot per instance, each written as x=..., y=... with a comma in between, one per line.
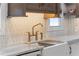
x=36, y=33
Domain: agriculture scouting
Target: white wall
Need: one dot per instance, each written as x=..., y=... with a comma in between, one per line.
x=3, y=14
x=76, y=25
x=0, y=17
x=3, y=17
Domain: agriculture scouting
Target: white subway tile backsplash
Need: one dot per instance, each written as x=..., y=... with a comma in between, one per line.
x=3, y=41
x=8, y=40
x=17, y=40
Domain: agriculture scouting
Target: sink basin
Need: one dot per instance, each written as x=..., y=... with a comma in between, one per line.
x=47, y=43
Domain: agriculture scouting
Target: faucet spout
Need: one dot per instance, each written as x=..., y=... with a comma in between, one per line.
x=35, y=26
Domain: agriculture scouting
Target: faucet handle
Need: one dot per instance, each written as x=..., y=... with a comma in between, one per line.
x=28, y=36
x=36, y=35
x=41, y=35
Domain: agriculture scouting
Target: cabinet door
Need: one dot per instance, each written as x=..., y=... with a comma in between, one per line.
x=16, y=9
x=53, y=11
x=57, y=50
x=75, y=49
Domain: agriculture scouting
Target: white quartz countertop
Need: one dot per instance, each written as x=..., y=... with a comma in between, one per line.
x=19, y=49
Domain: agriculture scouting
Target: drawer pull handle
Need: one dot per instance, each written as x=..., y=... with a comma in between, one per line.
x=38, y=55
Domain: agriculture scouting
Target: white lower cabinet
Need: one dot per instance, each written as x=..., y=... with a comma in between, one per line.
x=74, y=49
x=57, y=50
x=37, y=53
x=62, y=49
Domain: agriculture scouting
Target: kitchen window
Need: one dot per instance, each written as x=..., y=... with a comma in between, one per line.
x=55, y=23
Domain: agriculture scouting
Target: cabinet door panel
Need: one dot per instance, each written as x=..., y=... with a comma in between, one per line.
x=58, y=50
x=16, y=9
x=75, y=49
